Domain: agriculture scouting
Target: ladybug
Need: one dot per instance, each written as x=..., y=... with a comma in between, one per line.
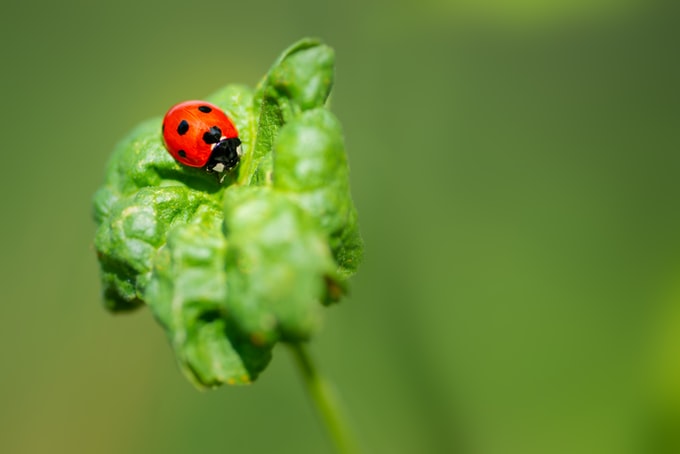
x=200, y=134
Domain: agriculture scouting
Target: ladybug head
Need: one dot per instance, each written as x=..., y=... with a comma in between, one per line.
x=225, y=156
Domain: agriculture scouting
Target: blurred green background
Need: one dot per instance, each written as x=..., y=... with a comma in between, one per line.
x=515, y=165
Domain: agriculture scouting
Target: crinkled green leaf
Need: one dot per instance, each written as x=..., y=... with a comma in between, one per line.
x=188, y=295
x=310, y=165
x=301, y=79
x=134, y=228
x=230, y=269
x=277, y=262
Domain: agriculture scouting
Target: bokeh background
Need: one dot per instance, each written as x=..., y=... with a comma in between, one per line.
x=516, y=169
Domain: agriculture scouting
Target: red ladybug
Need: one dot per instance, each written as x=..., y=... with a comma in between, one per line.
x=200, y=134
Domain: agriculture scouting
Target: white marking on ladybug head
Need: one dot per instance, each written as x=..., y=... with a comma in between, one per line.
x=239, y=150
x=219, y=167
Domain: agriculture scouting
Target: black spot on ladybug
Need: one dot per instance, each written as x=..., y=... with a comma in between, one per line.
x=183, y=127
x=212, y=136
x=163, y=127
x=182, y=153
x=205, y=109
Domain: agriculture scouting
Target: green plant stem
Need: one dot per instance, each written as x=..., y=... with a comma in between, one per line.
x=326, y=402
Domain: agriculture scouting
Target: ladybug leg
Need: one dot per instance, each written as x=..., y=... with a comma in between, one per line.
x=219, y=175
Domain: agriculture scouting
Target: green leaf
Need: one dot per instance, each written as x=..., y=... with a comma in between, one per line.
x=229, y=269
x=310, y=165
x=188, y=295
x=301, y=79
x=277, y=262
x=133, y=228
